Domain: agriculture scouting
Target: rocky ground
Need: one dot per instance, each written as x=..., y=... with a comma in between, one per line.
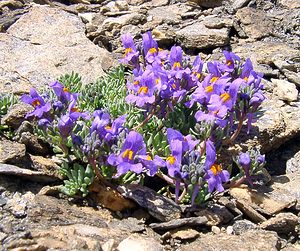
x=43, y=39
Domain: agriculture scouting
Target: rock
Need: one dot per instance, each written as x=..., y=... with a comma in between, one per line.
x=10, y=17
x=293, y=164
x=259, y=199
x=215, y=215
x=197, y=36
x=11, y=152
x=172, y=224
x=285, y=188
x=130, y=225
x=118, y=22
x=254, y=23
x=215, y=22
x=34, y=144
x=18, y=204
x=215, y=229
x=285, y=90
x=45, y=165
x=257, y=240
x=208, y=3
x=282, y=223
x=294, y=77
x=38, y=52
x=166, y=14
x=16, y=115
x=242, y=226
x=160, y=207
x=184, y=234
x=229, y=230
x=26, y=173
x=291, y=4
x=237, y=4
x=139, y=243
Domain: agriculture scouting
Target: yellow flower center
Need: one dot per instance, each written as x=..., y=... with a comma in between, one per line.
x=209, y=88
x=143, y=89
x=157, y=81
x=148, y=157
x=127, y=153
x=246, y=79
x=216, y=169
x=65, y=89
x=171, y=159
x=107, y=127
x=136, y=82
x=174, y=86
x=176, y=65
x=127, y=50
x=229, y=62
x=152, y=50
x=225, y=97
x=36, y=103
x=197, y=74
x=74, y=109
x=214, y=79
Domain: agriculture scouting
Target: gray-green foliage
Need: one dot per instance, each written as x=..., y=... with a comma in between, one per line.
x=6, y=101
x=79, y=178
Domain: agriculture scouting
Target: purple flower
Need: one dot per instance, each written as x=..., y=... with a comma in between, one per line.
x=150, y=164
x=110, y=132
x=63, y=94
x=229, y=64
x=131, y=55
x=244, y=160
x=101, y=119
x=65, y=126
x=74, y=112
x=176, y=62
x=215, y=177
x=126, y=161
x=173, y=162
x=210, y=154
x=151, y=50
x=41, y=108
x=144, y=92
x=188, y=143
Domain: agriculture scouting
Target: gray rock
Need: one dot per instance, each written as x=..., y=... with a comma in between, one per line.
x=33, y=144
x=176, y=223
x=139, y=243
x=26, y=173
x=16, y=115
x=294, y=77
x=44, y=44
x=166, y=14
x=208, y=3
x=291, y=4
x=242, y=226
x=293, y=164
x=199, y=36
x=215, y=214
x=257, y=240
x=131, y=225
x=11, y=152
x=160, y=207
x=285, y=90
x=237, y=4
x=254, y=23
x=282, y=223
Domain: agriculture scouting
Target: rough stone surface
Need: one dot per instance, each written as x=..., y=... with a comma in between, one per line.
x=242, y=226
x=15, y=115
x=37, y=52
x=282, y=223
x=200, y=37
x=11, y=152
x=285, y=90
x=139, y=243
x=11, y=170
x=185, y=234
x=157, y=205
x=291, y=4
x=293, y=164
x=257, y=240
x=255, y=23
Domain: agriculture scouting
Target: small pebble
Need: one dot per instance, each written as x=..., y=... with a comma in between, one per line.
x=229, y=230
x=215, y=229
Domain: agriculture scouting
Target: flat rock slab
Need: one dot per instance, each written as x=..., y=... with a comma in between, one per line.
x=160, y=207
x=6, y=169
x=44, y=44
x=257, y=240
x=11, y=152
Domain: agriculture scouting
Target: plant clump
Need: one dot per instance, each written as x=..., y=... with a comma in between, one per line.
x=169, y=117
